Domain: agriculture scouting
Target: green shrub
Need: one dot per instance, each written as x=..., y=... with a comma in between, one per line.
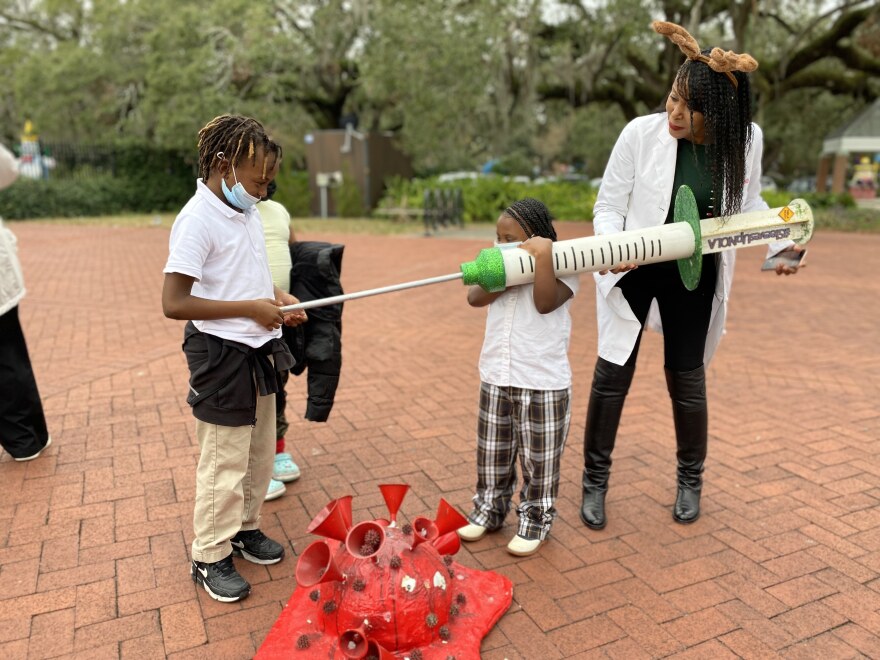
x=138, y=179
x=847, y=219
x=293, y=192
x=816, y=200
x=486, y=197
x=348, y=196
x=98, y=195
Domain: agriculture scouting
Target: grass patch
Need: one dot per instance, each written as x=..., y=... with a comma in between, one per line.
x=858, y=219
x=300, y=225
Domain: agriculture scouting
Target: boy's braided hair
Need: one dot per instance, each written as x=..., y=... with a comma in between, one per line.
x=533, y=217
x=237, y=137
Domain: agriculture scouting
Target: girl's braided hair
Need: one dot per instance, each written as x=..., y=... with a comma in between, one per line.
x=236, y=137
x=533, y=217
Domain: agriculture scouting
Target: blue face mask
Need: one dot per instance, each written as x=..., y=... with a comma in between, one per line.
x=238, y=196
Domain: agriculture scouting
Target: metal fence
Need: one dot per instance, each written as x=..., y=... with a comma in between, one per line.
x=443, y=207
x=76, y=161
x=60, y=160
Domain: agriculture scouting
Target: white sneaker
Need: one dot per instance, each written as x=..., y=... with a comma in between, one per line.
x=276, y=490
x=33, y=456
x=523, y=547
x=472, y=532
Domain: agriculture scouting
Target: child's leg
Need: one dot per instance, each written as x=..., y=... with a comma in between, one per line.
x=223, y=463
x=260, y=463
x=496, y=458
x=543, y=420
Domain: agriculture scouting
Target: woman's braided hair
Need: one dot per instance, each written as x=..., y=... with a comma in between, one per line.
x=726, y=103
x=533, y=217
x=727, y=112
x=237, y=137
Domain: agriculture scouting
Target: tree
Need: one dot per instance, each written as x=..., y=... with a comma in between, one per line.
x=460, y=81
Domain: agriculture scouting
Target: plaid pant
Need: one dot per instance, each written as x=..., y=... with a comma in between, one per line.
x=534, y=425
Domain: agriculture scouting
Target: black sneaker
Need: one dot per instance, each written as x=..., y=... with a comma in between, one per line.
x=220, y=580
x=256, y=547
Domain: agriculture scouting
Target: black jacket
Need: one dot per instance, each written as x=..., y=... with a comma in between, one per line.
x=225, y=376
x=317, y=345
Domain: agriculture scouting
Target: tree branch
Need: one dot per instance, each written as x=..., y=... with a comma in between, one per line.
x=31, y=25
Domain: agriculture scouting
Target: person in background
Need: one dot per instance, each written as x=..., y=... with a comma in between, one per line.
x=23, y=432
x=279, y=237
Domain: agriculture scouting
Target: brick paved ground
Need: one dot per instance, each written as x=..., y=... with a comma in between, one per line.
x=784, y=562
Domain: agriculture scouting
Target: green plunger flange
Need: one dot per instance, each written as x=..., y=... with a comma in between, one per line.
x=487, y=270
x=689, y=268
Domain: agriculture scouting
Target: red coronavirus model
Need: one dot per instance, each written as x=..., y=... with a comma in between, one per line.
x=376, y=590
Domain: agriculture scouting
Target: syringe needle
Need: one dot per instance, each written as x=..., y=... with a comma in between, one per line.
x=323, y=302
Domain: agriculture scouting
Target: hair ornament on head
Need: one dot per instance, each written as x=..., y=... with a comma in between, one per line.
x=720, y=61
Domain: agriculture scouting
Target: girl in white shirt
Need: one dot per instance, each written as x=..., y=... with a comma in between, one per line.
x=525, y=393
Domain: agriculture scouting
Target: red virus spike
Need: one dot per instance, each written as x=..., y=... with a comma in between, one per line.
x=393, y=494
x=353, y=643
x=448, y=519
x=374, y=648
x=316, y=565
x=448, y=544
x=365, y=539
x=424, y=529
x=334, y=520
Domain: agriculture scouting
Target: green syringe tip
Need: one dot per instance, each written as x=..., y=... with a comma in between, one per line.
x=487, y=270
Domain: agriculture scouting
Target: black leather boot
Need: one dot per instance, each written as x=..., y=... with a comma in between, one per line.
x=687, y=389
x=610, y=386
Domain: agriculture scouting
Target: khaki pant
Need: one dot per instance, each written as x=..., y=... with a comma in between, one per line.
x=235, y=466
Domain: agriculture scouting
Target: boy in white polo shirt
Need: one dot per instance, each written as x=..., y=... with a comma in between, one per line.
x=217, y=278
x=525, y=393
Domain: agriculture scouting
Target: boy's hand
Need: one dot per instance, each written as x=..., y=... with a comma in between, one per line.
x=295, y=318
x=267, y=313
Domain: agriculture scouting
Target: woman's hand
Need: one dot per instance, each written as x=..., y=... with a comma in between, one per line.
x=783, y=269
x=622, y=268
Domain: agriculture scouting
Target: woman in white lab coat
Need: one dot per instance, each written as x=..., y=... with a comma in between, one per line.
x=705, y=140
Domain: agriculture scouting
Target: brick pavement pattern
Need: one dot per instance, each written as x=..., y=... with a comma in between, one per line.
x=784, y=562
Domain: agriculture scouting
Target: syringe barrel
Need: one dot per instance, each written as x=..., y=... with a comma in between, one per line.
x=594, y=253
x=794, y=221
x=494, y=269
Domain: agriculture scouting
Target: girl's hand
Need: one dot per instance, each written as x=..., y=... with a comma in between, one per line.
x=538, y=246
x=267, y=313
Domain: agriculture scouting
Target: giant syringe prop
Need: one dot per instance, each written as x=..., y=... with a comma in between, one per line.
x=685, y=241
